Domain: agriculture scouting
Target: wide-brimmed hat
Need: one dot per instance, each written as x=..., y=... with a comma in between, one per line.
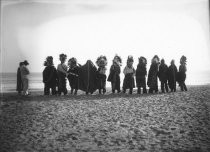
x=25, y=62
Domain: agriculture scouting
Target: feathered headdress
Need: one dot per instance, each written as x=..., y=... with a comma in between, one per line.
x=101, y=61
x=142, y=60
x=183, y=60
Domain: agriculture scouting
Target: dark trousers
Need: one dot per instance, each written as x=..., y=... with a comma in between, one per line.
x=47, y=89
x=164, y=86
x=102, y=83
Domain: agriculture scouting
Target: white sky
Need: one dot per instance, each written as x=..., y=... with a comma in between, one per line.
x=86, y=29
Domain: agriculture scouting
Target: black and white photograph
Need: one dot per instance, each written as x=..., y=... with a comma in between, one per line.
x=104, y=76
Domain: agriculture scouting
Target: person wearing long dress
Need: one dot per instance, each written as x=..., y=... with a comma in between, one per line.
x=129, y=73
x=152, y=81
x=114, y=75
x=141, y=72
x=24, y=76
x=62, y=74
x=172, y=75
x=182, y=73
x=162, y=74
x=19, y=87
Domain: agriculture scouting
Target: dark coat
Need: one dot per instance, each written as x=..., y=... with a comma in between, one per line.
x=181, y=75
x=141, y=73
x=172, y=74
x=87, y=77
x=73, y=77
x=50, y=76
x=19, y=86
x=152, y=76
x=128, y=82
x=101, y=79
x=114, y=72
x=163, y=72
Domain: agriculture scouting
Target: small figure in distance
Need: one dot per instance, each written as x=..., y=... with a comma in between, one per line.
x=114, y=75
x=62, y=73
x=24, y=76
x=182, y=73
x=50, y=77
x=73, y=76
x=162, y=74
x=152, y=81
x=101, y=73
x=172, y=74
x=19, y=87
x=141, y=72
x=129, y=73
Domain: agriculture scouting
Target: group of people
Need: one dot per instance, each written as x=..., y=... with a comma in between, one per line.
x=54, y=79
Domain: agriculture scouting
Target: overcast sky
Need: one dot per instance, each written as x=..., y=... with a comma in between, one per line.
x=85, y=29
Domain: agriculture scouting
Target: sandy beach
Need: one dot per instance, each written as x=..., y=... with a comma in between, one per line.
x=177, y=121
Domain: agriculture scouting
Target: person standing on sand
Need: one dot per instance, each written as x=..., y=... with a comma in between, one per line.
x=141, y=72
x=129, y=72
x=73, y=76
x=152, y=81
x=182, y=73
x=114, y=75
x=24, y=76
x=62, y=73
x=49, y=76
x=101, y=73
x=19, y=87
x=162, y=74
x=172, y=74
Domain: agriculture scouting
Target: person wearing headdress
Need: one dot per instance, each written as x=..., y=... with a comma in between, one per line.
x=73, y=75
x=62, y=73
x=129, y=73
x=141, y=72
x=101, y=73
x=172, y=74
x=19, y=87
x=152, y=81
x=49, y=76
x=162, y=74
x=24, y=76
x=114, y=75
x=182, y=73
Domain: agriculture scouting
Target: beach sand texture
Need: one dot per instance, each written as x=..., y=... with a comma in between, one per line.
x=159, y=122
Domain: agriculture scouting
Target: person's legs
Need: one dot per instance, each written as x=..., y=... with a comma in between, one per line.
x=184, y=86
x=46, y=90
x=166, y=86
x=139, y=90
x=131, y=90
x=162, y=87
x=54, y=90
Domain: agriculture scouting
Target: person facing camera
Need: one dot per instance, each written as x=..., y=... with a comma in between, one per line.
x=49, y=76
x=24, y=77
x=62, y=73
x=129, y=73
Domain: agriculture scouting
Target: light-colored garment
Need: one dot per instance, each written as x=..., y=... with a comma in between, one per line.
x=102, y=70
x=128, y=70
x=62, y=68
x=24, y=76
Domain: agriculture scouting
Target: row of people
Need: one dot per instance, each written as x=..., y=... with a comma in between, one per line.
x=168, y=76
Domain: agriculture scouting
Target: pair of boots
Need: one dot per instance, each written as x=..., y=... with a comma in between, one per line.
x=104, y=91
x=130, y=91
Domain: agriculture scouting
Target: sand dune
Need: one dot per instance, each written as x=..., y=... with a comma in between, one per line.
x=159, y=122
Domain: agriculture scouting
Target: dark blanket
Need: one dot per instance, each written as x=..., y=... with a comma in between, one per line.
x=87, y=77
